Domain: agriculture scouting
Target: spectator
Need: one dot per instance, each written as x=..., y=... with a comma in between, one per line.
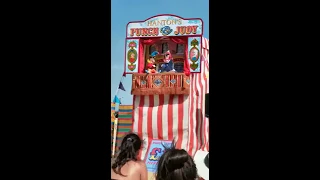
x=126, y=165
x=201, y=159
x=176, y=164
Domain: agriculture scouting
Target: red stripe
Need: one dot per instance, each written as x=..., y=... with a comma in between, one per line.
x=198, y=117
x=197, y=112
x=207, y=120
x=140, y=121
x=204, y=118
x=204, y=44
x=124, y=119
x=170, y=119
x=191, y=109
x=200, y=110
x=180, y=120
x=206, y=125
x=194, y=111
x=197, y=127
x=159, y=116
x=141, y=104
x=149, y=119
x=205, y=57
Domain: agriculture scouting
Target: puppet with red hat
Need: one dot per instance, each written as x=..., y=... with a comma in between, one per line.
x=150, y=63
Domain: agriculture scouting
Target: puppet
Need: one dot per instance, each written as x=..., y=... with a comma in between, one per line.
x=167, y=66
x=150, y=63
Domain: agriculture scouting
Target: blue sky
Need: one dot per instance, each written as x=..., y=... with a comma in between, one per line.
x=124, y=11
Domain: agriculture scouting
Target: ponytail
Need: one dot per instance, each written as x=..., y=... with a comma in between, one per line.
x=128, y=152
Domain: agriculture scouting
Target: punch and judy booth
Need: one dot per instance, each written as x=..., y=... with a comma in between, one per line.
x=169, y=62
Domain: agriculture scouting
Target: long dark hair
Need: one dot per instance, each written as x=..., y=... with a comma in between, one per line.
x=176, y=164
x=129, y=148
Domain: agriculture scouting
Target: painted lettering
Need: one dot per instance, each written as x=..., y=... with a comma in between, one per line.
x=153, y=158
x=188, y=29
x=155, y=31
x=144, y=32
x=154, y=154
x=164, y=22
x=132, y=32
x=181, y=30
x=138, y=32
x=194, y=29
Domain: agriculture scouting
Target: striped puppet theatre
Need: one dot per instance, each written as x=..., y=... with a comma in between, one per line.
x=169, y=101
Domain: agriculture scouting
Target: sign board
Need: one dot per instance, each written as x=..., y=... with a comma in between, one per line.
x=154, y=153
x=165, y=25
x=132, y=56
x=194, y=54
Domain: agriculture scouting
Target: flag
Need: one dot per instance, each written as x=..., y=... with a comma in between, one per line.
x=116, y=100
x=121, y=86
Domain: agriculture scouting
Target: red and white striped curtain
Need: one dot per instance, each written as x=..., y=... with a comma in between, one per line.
x=198, y=123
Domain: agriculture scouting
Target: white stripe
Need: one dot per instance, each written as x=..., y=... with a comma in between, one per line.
x=155, y=117
x=165, y=117
x=207, y=91
x=185, y=125
x=207, y=119
x=206, y=122
x=144, y=119
x=202, y=97
x=190, y=113
x=175, y=120
x=205, y=43
x=198, y=106
x=206, y=71
x=136, y=114
x=189, y=117
x=207, y=134
x=194, y=122
x=191, y=123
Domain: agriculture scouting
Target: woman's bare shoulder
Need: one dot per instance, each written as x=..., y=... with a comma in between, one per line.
x=141, y=162
x=137, y=163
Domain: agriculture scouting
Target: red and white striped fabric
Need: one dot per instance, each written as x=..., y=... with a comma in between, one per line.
x=179, y=117
x=161, y=117
x=198, y=123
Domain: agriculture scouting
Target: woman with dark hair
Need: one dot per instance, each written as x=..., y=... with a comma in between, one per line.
x=126, y=165
x=176, y=164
